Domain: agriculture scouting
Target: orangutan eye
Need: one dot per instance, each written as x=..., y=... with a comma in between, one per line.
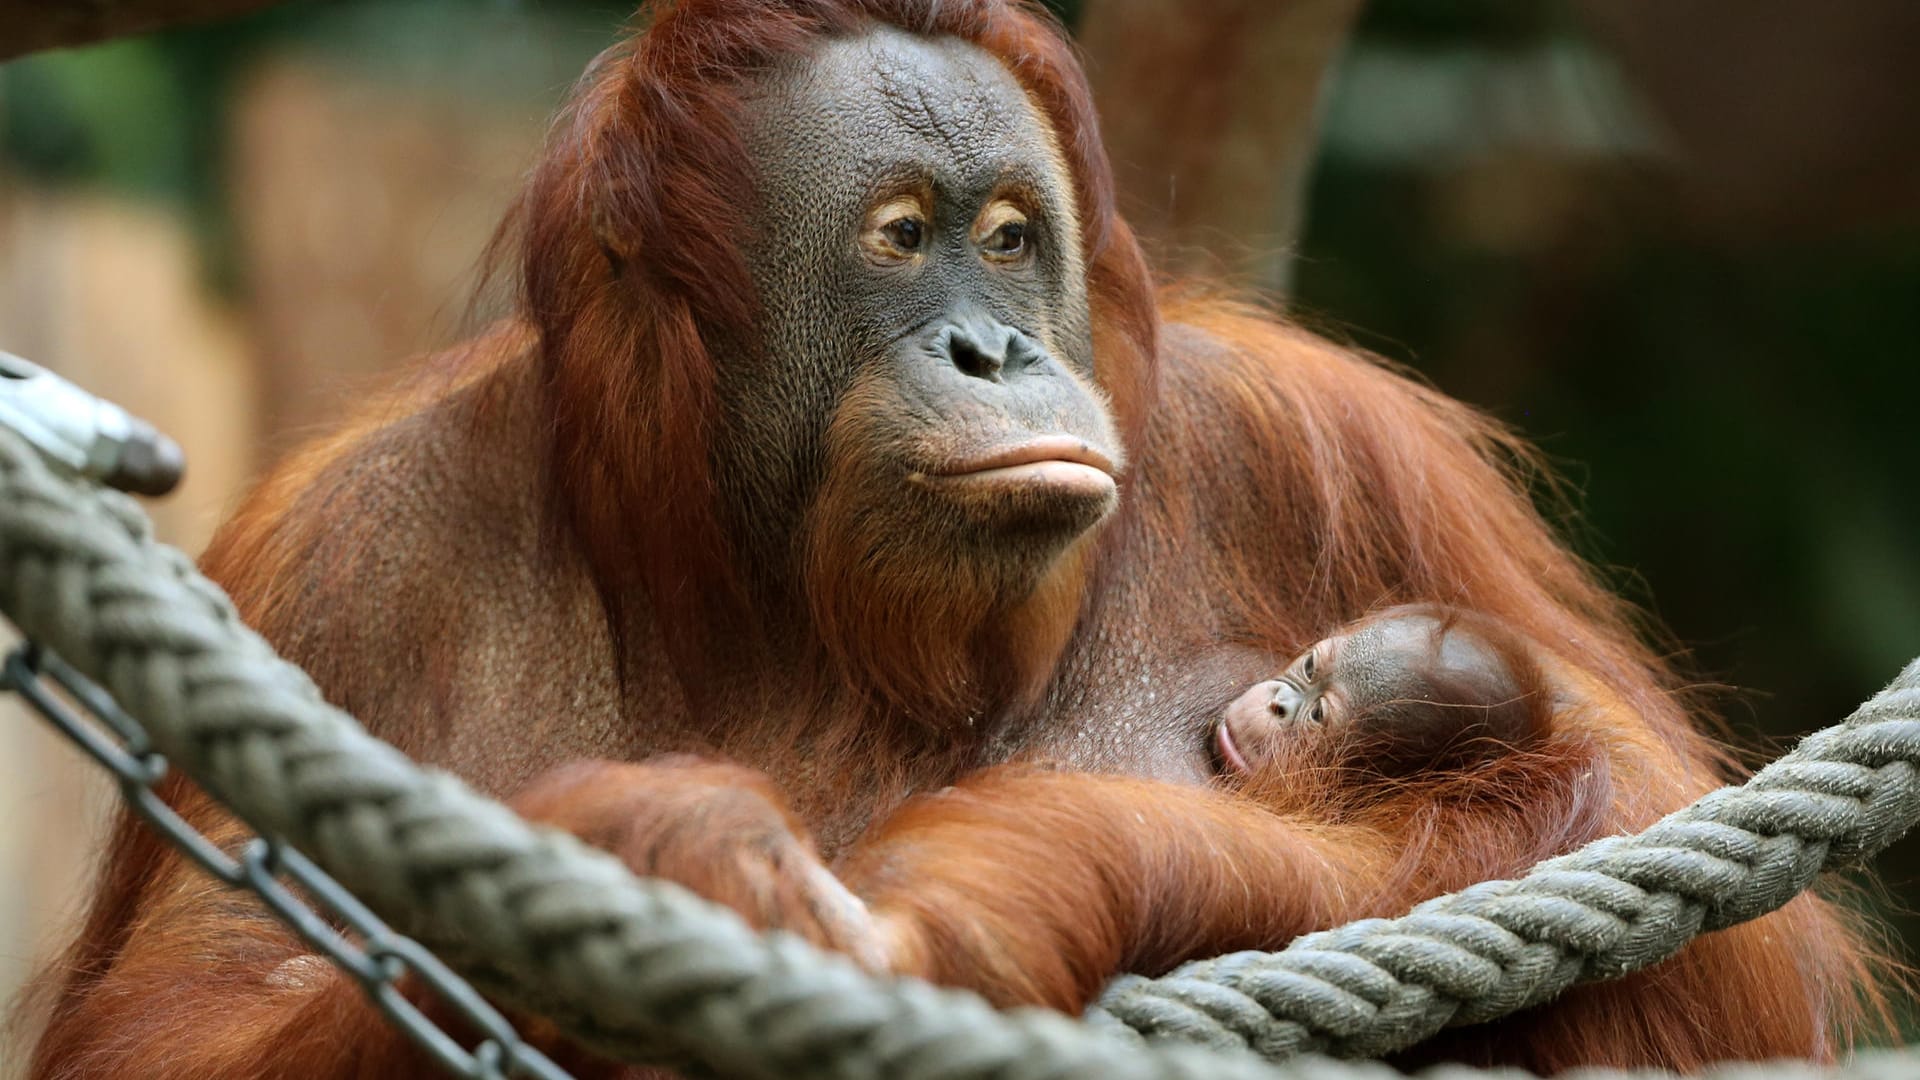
x=1319, y=713
x=1009, y=239
x=895, y=232
x=1307, y=665
x=907, y=233
x=1002, y=232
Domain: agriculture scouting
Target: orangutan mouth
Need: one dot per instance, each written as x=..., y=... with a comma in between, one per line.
x=1060, y=463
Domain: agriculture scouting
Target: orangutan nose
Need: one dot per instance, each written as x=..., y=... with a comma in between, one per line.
x=982, y=347
x=1286, y=701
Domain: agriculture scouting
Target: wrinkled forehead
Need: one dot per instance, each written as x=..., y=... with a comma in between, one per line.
x=887, y=101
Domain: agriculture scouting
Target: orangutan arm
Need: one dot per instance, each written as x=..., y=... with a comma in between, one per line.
x=1036, y=887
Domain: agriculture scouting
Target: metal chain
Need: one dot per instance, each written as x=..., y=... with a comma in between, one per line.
x=273, y=871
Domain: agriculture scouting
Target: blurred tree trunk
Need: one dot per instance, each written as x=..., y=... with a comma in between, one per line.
x=1211, y=113
x=27, y=25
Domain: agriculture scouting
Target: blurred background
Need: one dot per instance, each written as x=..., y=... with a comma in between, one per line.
x=1677, y=245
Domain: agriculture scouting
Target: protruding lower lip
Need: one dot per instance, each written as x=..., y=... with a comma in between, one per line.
x=1058, y=463
x=1229, y=753
x=1041, y=451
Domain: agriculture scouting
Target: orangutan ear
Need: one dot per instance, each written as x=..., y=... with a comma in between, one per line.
x=607, y=237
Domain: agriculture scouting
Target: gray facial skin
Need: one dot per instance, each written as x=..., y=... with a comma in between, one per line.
x=924, y=313
x=1401, y=691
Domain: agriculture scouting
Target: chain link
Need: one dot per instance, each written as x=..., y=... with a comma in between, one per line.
x=368, y=950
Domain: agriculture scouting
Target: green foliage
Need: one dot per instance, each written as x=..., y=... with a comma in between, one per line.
x=141, y=116
x=150, y=116
x=111, y=115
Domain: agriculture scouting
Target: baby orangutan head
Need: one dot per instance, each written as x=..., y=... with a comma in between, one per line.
x=1407, y=689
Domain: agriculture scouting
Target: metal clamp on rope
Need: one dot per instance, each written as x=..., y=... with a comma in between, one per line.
x=94, y=438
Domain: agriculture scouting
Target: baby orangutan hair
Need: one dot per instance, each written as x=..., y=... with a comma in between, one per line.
x=1404, y=690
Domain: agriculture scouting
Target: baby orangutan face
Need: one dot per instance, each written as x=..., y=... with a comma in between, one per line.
x=1409, y=688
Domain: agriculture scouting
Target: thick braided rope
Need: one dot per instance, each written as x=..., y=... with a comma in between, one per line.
x=646, y=969
x=1615, y=906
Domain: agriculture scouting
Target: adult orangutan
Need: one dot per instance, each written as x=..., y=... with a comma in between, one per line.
x=842, y=442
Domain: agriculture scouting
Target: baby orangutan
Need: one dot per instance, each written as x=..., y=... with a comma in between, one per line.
x=1413, y=752
x=1406, y=689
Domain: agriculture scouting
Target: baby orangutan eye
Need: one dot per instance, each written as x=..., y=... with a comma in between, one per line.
x=1010, y=239
x=1318, y=714
x=1307, y=665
